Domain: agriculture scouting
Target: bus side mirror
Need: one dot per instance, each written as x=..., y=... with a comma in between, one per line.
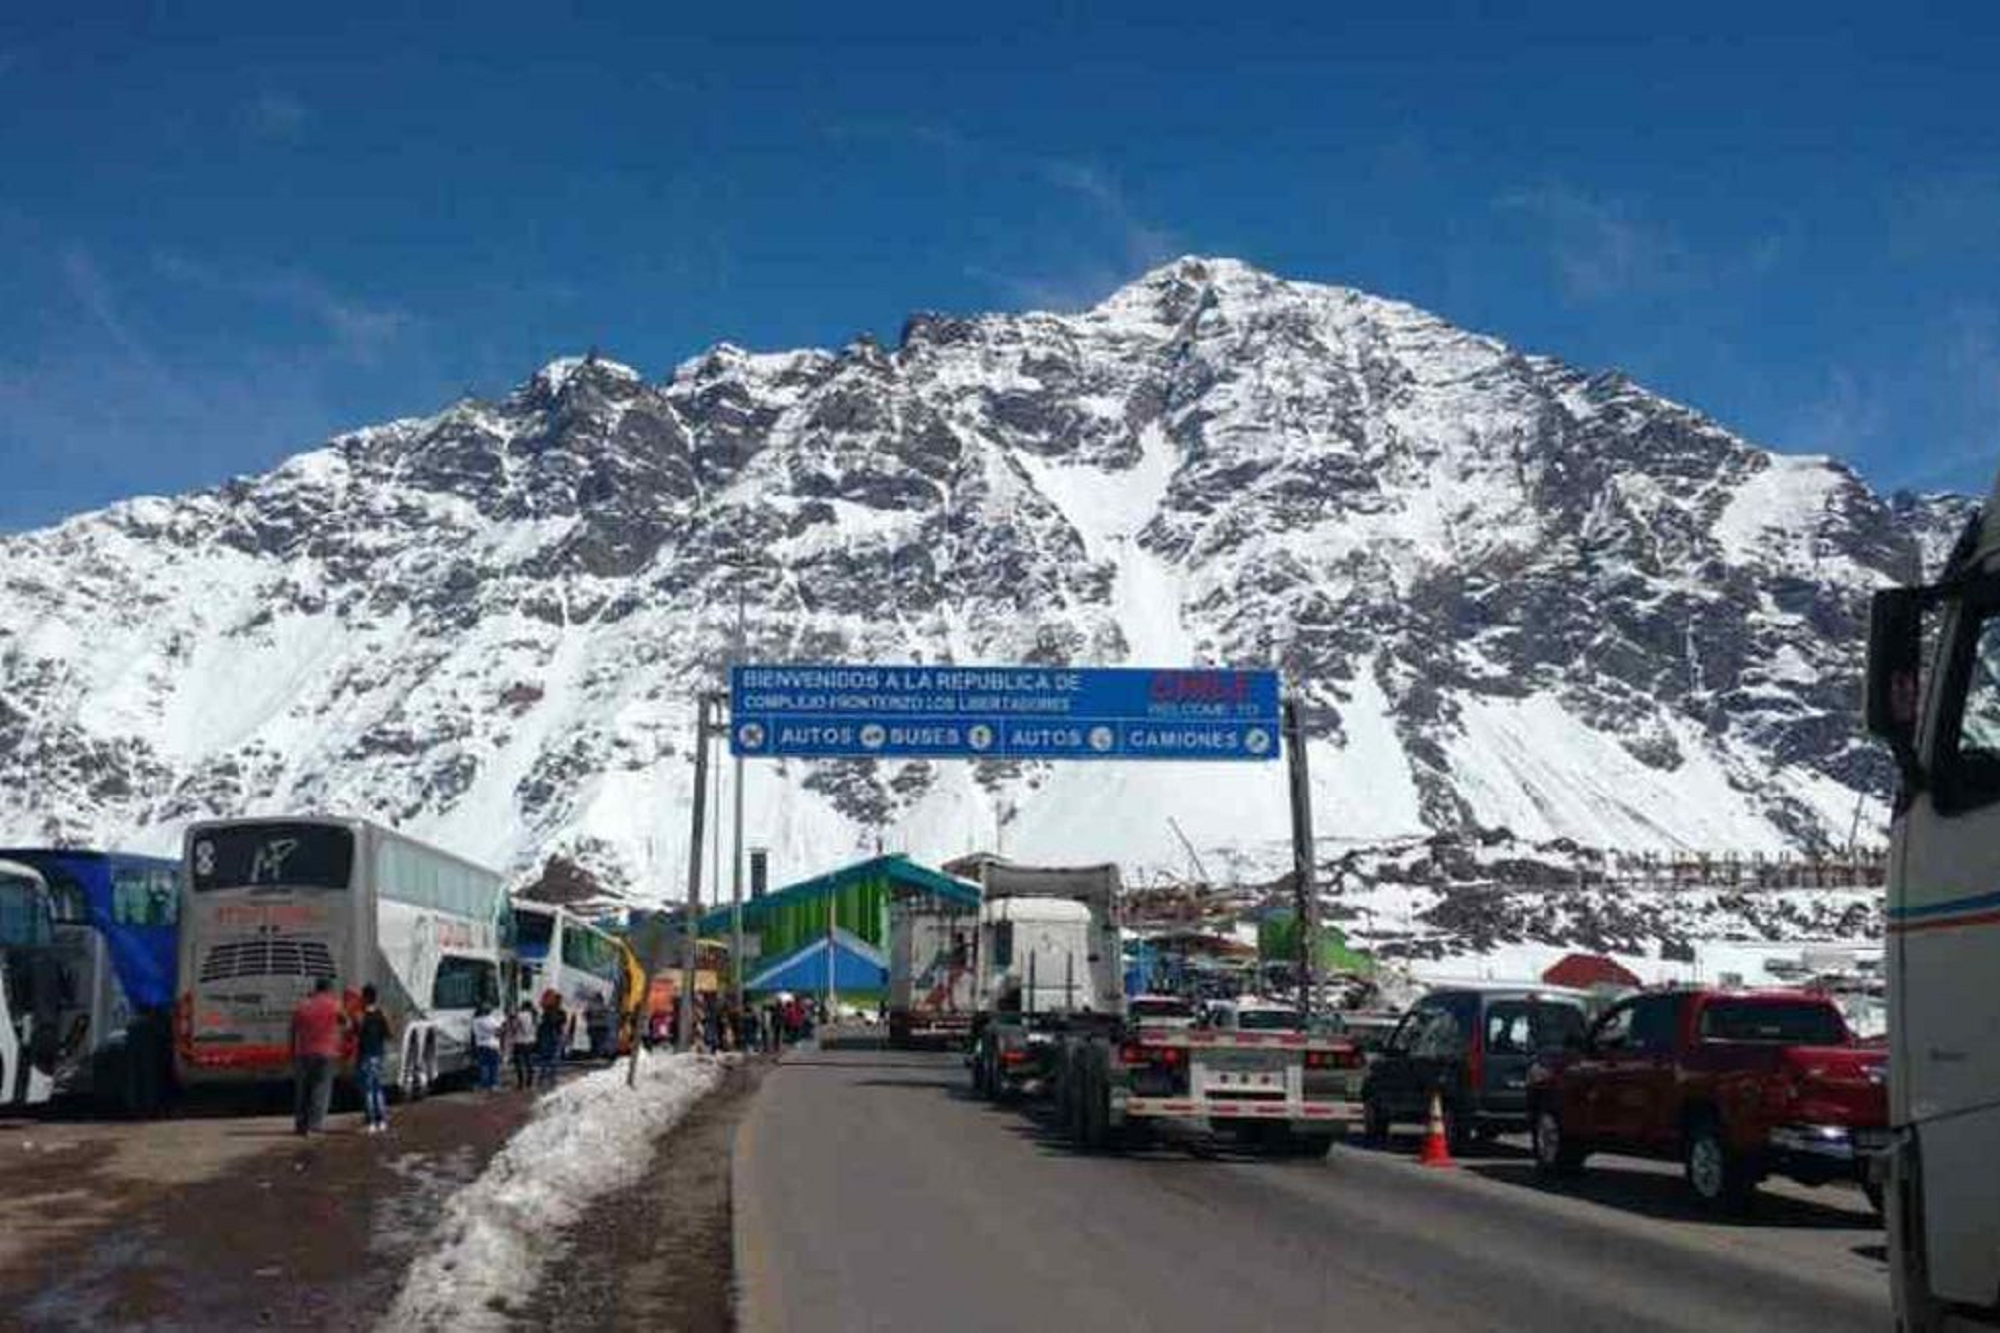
x=1895, y=648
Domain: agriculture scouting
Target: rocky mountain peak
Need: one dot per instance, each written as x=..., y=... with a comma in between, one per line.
x=1522, y=596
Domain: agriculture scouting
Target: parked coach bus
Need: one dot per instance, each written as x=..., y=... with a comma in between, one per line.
x=29, y=1023
x=114, y=916
x=271, y=905
x=559, y=951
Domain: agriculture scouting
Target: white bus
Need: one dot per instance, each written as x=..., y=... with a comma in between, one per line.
x=560, y=951
x=270, y=906
x=30, y=1022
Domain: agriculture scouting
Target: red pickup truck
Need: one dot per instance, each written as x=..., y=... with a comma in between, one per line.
x=1735, y=1085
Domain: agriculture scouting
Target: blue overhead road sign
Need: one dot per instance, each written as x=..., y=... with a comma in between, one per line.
x=955, y=712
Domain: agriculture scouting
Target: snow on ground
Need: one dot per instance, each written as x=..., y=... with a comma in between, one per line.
x=1108, y=509
x=1775, y=512
x=1531, y=766
x=1716, y=962
x=587, y=1138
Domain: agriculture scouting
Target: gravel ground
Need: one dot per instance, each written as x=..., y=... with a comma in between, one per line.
x=228, y=1221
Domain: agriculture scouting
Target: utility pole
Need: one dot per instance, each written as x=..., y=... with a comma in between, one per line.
x=691, y=923
x=832, y=956
x=1305, y=905
x=736, y=874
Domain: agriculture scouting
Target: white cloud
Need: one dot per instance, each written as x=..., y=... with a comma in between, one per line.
x=356, y=329
x=272, y=114
x=1602, y=247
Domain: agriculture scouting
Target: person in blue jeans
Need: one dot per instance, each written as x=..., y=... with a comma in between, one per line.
x=486, y=1028
x=371, y=1049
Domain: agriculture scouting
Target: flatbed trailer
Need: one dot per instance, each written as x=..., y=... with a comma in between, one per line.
x=1283, y=1090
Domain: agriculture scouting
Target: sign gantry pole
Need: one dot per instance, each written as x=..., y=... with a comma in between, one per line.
x=1305, y=901
x=691, y=931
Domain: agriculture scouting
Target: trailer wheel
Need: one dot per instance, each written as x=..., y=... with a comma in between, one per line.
x=1287, y=1142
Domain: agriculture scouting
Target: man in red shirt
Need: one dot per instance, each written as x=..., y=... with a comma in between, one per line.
x=317, y=1027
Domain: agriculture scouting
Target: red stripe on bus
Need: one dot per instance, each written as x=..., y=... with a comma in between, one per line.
x=1944, y=923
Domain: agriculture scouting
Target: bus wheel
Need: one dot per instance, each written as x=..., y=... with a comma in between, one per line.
x=414, y=1083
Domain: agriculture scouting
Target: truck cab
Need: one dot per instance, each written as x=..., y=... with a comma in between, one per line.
x=1048, y=960
x=1933, y=695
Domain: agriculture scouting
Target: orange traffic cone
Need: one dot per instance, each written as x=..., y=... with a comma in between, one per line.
x=1436, y=1151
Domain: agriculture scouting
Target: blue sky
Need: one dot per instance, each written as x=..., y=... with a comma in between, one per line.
x=225, y=234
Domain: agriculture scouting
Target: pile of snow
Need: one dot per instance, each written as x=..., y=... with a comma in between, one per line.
x=587, y=1139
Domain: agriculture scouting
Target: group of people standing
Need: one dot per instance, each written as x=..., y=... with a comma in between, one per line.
x=720, y=1025
x=532, y=1040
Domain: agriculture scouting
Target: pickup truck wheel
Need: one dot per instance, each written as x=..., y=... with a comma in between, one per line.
x=1374, y=1122
x=1555, y=1153
x=1457, y=1134
x=1721, y=1179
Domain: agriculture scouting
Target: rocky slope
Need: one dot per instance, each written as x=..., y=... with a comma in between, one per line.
x=1525, y=596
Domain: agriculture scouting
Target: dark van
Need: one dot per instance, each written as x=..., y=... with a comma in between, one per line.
x=1472, y=1046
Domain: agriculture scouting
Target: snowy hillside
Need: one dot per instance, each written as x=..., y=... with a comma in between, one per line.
x=1526, y=596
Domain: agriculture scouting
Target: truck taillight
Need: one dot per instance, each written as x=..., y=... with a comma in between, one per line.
x=1345, y=1057
x=1133, y=1054
x=1016, y=1056
x=184, y=1023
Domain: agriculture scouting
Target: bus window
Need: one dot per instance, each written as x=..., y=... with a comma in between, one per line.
x=588, y=951
x=142, y=896
x=465, y=983
x=67, y=904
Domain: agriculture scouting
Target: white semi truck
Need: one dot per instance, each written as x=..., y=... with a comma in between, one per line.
x=1048, y=964
x=1941, y=720
x=1053, y=1018
x=932, y=982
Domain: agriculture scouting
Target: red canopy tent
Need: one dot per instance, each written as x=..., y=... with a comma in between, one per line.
x=1587, y=970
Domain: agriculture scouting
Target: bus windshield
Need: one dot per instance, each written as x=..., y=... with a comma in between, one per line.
x=24, y=912
x=532, y=932
x=317, y=856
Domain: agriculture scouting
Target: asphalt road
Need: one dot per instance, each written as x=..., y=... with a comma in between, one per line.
x=871, y=1191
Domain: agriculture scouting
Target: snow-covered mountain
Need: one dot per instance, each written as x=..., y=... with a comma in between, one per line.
x=1525, y=595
